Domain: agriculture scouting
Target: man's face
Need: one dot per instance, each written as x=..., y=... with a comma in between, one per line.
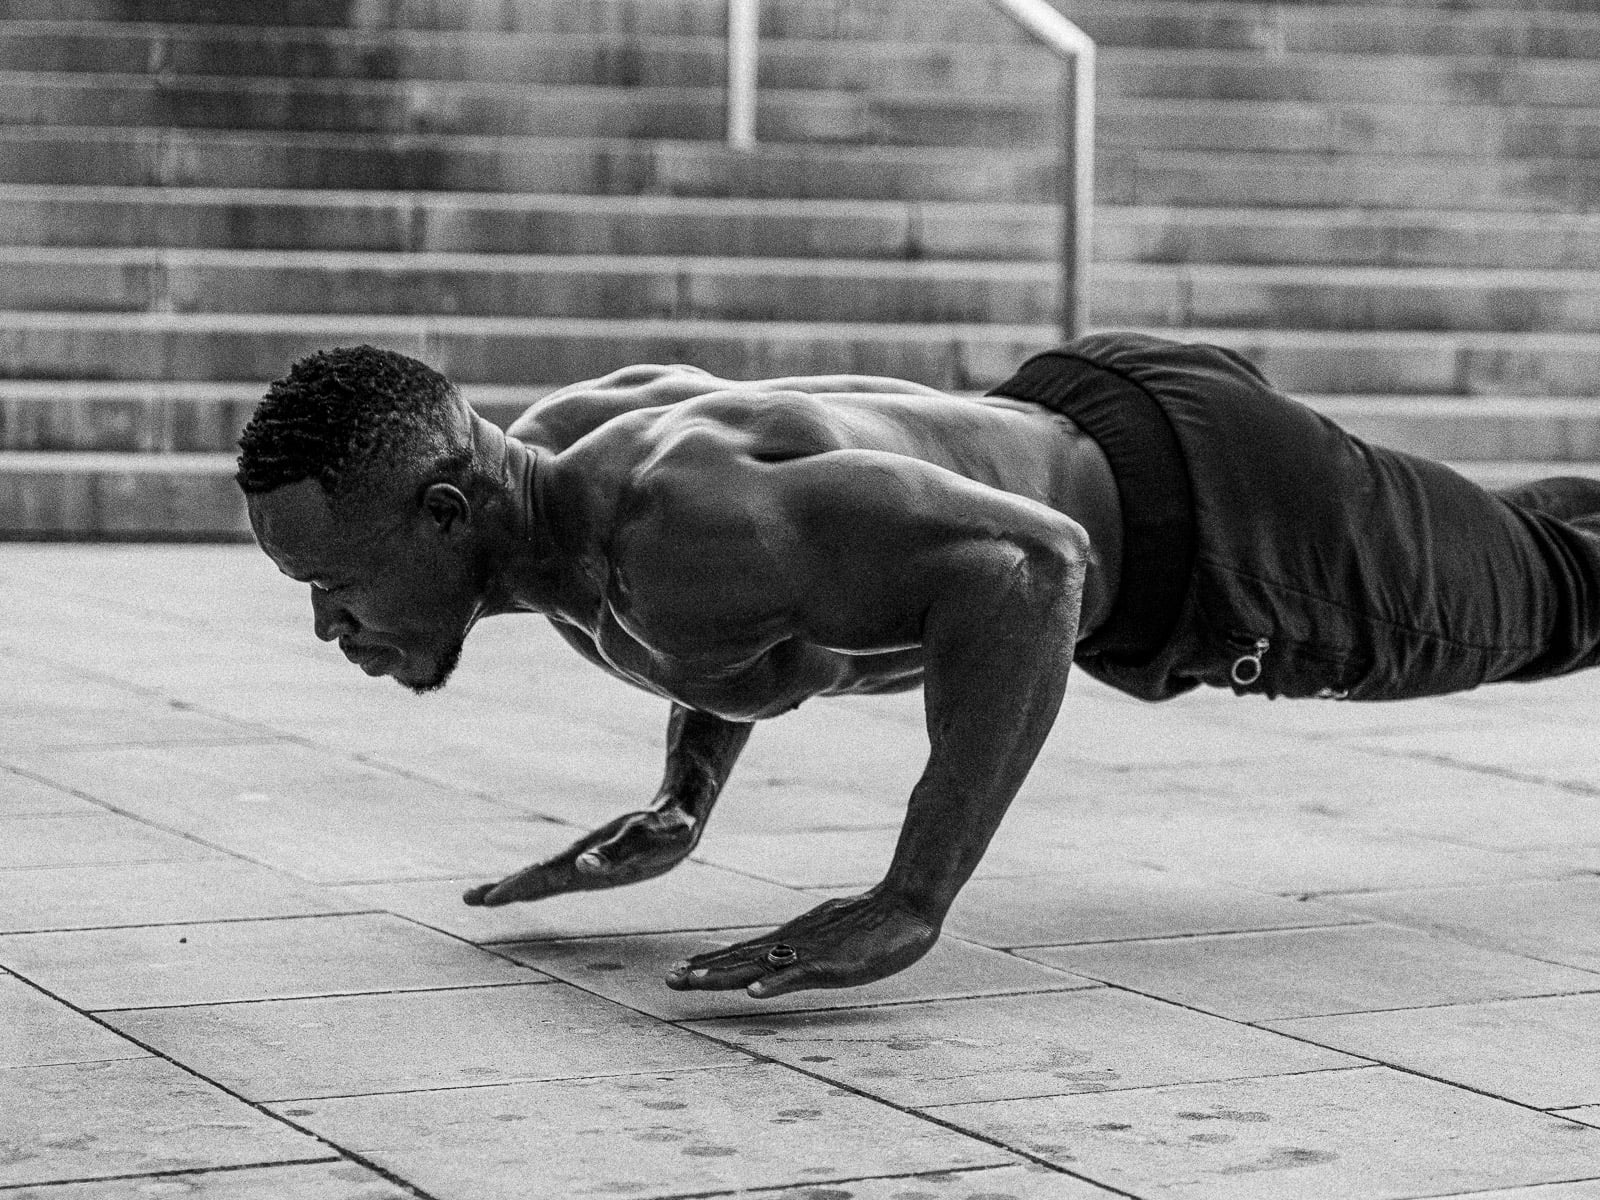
x=386, y=586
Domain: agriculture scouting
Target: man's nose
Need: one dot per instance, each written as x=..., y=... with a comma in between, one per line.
x=329, y=618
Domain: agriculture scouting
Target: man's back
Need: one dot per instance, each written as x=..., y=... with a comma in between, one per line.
x=665, y=482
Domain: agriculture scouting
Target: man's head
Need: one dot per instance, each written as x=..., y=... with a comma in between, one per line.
x=364, y=479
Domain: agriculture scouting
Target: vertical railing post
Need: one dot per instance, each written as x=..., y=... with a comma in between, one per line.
x=1077, y=201
x=744, y=33
x=1076, y=51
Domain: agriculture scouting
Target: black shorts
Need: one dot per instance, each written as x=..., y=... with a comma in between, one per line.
x=1267, y=550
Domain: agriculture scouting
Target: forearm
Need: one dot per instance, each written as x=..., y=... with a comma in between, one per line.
x=701, y=752
x=995, y=680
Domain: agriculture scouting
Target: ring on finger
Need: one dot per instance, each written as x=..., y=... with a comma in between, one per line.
x=782, y=956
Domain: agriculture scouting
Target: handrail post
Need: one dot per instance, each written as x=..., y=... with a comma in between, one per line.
x=1077, y=201
x=744, y=17
x=1076, y=51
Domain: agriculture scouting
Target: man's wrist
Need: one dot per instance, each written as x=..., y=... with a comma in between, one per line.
x=916, y=898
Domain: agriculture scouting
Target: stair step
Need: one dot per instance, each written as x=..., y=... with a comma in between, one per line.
x=1473, y=428
x=502, y=350
x=177, y=416
x=193, y=497
x=204, y=158
x=135, y=497
x=1273, y=30
x=251, y=347
x=151, y=418
x=742, y=289
x=906, y=119
x=803, y=289
x=494, y=223
x=1339, y=28
x=941, y=67
x=543, y=16
x=606, y=166
x=1497, y=475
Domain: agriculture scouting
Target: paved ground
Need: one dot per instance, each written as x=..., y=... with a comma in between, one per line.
x=1222, y=948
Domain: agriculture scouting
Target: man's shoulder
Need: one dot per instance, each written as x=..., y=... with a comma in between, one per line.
x=568, y=414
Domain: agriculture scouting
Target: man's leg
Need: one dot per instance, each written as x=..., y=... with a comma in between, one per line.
x=1570, y=498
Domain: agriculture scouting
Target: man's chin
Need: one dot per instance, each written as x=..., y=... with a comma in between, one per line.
x=435, y=678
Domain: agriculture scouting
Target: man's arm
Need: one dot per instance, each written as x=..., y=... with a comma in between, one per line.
x=701, y=752
x=873, y=549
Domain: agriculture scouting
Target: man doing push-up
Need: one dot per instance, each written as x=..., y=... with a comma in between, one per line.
x=1154, y=512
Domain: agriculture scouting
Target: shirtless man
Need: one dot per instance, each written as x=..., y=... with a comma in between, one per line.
x=1154, y=510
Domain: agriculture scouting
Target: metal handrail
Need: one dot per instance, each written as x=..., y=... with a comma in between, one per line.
x=1077, y=53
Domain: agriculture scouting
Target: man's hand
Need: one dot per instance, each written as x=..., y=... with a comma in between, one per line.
x=632, y=848
x=842, y=943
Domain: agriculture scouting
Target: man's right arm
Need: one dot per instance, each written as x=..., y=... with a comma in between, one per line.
x=701, y=752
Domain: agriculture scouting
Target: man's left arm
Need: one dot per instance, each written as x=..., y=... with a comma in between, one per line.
x=997, y=585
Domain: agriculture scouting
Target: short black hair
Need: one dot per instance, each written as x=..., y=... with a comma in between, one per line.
x=346, y=417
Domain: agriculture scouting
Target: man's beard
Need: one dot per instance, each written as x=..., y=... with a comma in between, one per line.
x=448, y=661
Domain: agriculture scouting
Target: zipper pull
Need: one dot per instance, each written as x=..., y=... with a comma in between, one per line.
x=1247, y=667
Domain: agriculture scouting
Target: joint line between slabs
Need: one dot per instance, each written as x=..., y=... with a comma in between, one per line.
x=1155, y=1087
x=811, y=1183
x=457, y=987
x=340, y=1151
x=256, y=1166
x=1418, y=1073
x=1178, y=937
x=107, y=806
x=920, y=1115
x=1361, y=1012
x=686, y=1022
x=1543, y=1183
x=353, y=912
x=531, y=1081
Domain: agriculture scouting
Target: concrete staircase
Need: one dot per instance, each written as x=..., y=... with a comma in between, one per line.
x=1393, y=206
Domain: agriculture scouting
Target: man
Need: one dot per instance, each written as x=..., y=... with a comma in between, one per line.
x=1154, y=511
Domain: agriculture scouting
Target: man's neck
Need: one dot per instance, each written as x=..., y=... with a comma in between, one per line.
x=523, y=555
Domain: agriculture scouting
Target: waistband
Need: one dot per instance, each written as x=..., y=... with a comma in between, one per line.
x=1158, y=530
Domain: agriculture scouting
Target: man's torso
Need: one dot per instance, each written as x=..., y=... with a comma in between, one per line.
x=611, y=441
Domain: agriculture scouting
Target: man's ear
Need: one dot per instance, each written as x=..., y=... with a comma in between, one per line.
x=447, y=506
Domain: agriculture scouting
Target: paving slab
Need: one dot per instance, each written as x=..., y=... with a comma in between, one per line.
x=1293, y=850
x=1535, y=750
x=84, y=839
x=1583, y=1189
x=308, y=1181
x=692, y=896
x=1367, y=1133
x=317, y=815
x=248, y=960
x=37, y=1031
x=21, y=796
x=411, y=1041
x=630, y=970
x=1310, y=972
x=1012, y=1046
x=158, y=893
x=1157, y=737
x=131, y=1117
x=1558, y=920
x=640, y=1135
x=845, y=857
x=1031, y=1182
x=1542, y=1052
x=1105, y=900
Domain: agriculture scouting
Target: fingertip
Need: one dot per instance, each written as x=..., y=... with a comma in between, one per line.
x=473, y=896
